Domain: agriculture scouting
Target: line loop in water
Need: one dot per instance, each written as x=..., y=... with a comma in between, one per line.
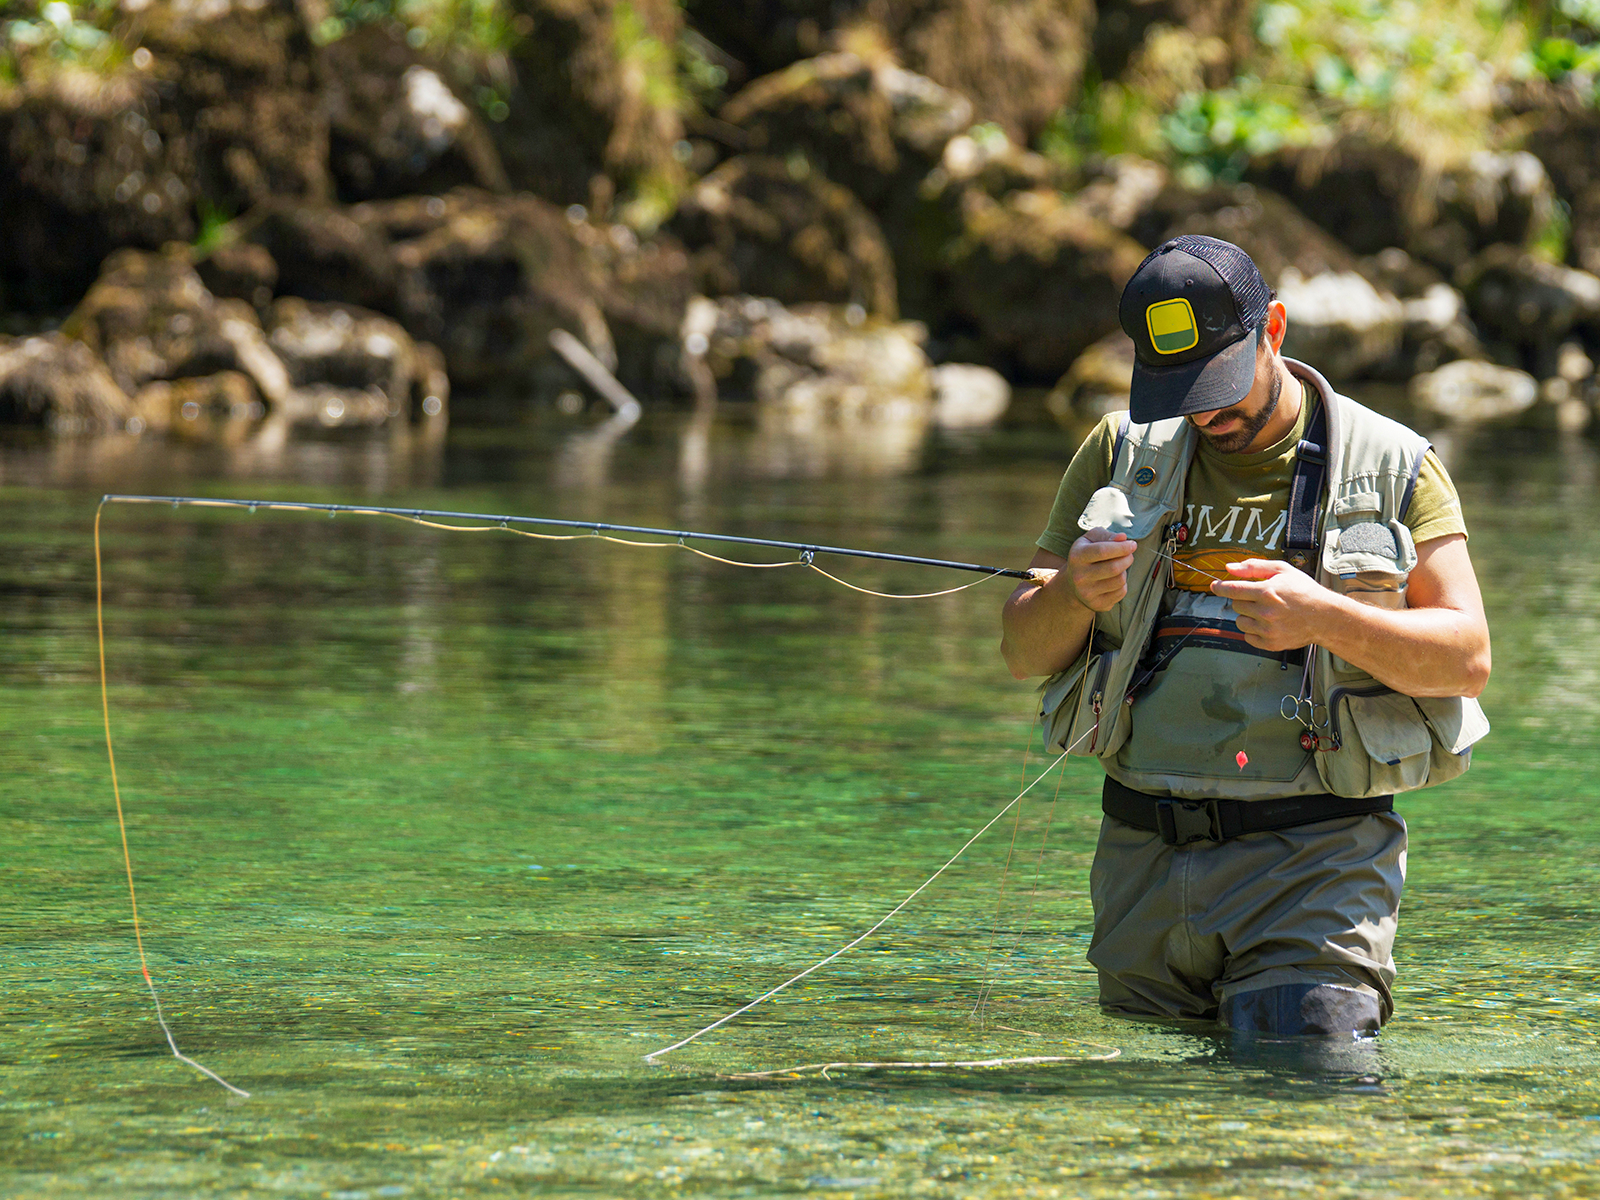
x=655, y=1055
x=423, y=517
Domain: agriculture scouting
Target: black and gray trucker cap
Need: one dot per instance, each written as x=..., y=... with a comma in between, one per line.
x=1190, y=309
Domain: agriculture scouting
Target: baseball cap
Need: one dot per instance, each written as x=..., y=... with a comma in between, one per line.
x=1190, y=309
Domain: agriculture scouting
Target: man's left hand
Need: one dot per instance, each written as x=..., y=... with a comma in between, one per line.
x=1277, y=606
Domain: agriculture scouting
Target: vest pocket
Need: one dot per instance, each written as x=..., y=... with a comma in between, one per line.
x=1383, y=743
x=1456, y=722
x=1077, y=710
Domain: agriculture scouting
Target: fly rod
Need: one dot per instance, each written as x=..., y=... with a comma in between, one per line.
x=806, y=549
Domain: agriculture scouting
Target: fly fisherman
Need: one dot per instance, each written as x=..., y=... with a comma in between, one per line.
x=1263, y=621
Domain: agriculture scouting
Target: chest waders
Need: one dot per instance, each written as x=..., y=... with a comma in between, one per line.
x=1164, y=698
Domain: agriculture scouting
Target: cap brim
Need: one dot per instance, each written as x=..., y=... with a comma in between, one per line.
x=1201, y=386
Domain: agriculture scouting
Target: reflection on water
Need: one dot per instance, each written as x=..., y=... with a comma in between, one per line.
x=438, y=834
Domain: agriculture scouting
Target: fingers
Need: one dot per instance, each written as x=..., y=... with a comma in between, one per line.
x=1098, y=545
x=1258, y=568
x=1237, y=589
x=1099, y=563
x=1098, y=534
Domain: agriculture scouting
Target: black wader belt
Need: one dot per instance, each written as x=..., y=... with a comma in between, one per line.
x=1305, y=490
x=1180, y=822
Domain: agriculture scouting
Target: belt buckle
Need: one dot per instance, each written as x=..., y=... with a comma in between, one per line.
x=1183, y=821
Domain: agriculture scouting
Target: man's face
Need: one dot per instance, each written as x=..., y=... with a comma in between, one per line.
x=1231, y=430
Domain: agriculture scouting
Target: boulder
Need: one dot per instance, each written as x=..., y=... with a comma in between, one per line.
x=1476, y=393
x=324, y=252
x=1123, y=27
x=1123, y=188
x=1527, y=302
x=1437, y=330
x=1037, y=278
x=396, y=127
x=987, y=160
x=1019, y=62
x=240, y=271
x=757, y=227
x=873, y=126
x=53, y=381
x=243, y=83
x=1339, y=322
x=593, y=103
x=818, y=354
x=487, y=278
x=1373, y=195
x=833, y=387
x=1394, y=271
x=97, y=156
x=1564, y=139
x=1268, y=227
x=223, y=407
x=968, y=396
x=204, y=368
x=218, y=104
x=350, y=366
x=1098, y=383
x=976, y=170
x=1492, y=198
x=150, y=318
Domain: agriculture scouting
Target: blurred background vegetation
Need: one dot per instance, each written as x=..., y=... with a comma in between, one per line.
x=991, y=169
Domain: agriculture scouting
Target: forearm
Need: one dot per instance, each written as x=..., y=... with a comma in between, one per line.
x=1415, y=651
x=1044, y=630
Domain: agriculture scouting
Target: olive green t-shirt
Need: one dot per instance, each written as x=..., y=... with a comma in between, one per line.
x=1236, y=504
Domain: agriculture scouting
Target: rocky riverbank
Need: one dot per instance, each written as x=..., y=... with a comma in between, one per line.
x=226, y=219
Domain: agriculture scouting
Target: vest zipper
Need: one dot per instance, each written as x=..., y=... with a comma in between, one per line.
x=1096, y=696
x=1337, y=694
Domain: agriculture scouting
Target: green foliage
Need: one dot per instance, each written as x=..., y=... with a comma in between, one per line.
x=1217, y=133
x=637, y=48
x=479, y=26
x=59, y=32
x=702, y=78
x=1563, y=60
x=1554, y=238
x=215, y=229
x=1421, y=74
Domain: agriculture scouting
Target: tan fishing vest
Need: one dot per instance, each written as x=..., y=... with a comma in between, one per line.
x=1167, y=715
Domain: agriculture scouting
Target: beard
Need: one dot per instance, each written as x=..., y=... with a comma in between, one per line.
x=1250, y=426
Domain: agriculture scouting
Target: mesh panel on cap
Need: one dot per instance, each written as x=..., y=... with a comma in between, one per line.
x=1250, y=291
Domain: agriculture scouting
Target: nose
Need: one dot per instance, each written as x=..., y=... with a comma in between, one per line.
x=1202, y=419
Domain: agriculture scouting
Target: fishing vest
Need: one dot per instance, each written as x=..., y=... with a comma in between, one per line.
x=1308, y=722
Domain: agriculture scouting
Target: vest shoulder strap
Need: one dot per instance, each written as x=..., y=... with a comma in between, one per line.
x=1306, y=489
x=1122, y=436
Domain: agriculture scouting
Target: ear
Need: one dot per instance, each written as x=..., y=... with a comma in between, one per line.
x=1277, y=324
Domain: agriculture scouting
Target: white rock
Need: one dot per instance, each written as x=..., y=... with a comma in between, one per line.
x=438, y=115
x=1476, y=393
x=1340, y=323
x=1431, y=313
x=966, y=395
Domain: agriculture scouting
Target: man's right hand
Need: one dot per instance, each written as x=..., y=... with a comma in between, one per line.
x=1097, y=567
x=1047, y=620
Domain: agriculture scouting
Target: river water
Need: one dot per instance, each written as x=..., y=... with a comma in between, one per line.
x=436, y=835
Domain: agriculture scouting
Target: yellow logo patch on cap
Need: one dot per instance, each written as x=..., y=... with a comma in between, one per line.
x=1173, y=328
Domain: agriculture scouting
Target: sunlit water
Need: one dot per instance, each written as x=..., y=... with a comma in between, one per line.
x=437, y=834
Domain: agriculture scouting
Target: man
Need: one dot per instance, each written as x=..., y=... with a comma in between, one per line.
x=1254, y=714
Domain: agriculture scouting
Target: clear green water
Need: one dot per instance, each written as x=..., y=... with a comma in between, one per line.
x=437, y=834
